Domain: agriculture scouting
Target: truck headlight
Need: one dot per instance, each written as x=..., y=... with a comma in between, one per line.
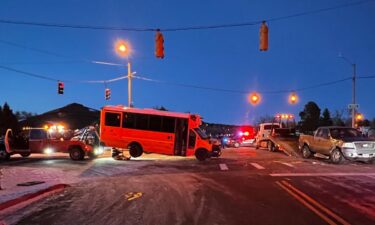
x=48, y=151
x=348, y=145
x=98, y=150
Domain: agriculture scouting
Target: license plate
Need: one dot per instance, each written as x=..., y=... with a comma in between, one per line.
x=366, y=155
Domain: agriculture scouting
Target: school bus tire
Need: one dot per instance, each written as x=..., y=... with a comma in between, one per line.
x=135, y=150
x=201, y=154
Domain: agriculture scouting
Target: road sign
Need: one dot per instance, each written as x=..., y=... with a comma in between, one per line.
x=353, y=106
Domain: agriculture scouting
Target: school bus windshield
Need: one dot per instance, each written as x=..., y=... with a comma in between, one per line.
x=201, y=133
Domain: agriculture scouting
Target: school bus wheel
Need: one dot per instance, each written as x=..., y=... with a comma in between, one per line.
x=201, y=154
x=135, y=150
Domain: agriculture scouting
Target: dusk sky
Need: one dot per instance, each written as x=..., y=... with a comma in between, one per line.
x=303, y=51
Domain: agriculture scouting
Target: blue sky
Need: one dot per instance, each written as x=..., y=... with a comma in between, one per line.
x=303, y=51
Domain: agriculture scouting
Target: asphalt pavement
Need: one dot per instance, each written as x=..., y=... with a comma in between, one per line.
x=244, y=186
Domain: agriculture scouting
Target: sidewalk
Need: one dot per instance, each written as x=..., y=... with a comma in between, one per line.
x=16, y=175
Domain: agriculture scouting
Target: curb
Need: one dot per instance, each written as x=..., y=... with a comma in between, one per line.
x=31, y=197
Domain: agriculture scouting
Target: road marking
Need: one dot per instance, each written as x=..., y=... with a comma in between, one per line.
x=319, y=174
x=305, y=203
x=256, y=165
x=223, y=166
x=315, y=203
x=287, y=164
x=133, y=195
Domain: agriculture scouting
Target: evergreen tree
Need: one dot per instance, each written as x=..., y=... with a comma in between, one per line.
x=326, y=119
x=310, y=117
x=8, y=119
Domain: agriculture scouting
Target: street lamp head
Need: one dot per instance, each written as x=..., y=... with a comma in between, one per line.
x=122, y=48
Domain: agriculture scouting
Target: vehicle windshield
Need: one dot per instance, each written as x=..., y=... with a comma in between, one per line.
x=201, y=133
x=269, y=127
x=338, y=133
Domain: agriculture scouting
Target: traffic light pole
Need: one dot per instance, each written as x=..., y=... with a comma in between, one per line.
x=129, y=86
x=353, y=94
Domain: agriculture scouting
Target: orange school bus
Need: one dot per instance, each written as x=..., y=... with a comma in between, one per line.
x=150, y=130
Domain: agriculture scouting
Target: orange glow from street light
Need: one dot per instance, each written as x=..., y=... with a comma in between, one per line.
x=359, y=116
x=254, y=98
x=293, y=98
x=122, y=48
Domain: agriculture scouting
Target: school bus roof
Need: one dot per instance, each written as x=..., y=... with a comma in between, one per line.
x=121, y=108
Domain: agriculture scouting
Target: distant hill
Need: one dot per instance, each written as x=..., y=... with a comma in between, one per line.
x=74, y=115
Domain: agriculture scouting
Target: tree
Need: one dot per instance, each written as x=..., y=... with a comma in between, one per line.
x=326, y=120
x=23, y=115
x=265, y=119
x=8, y=119
x=337, y=118
x=310, y=117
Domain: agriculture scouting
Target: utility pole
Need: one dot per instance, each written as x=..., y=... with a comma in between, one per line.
x=130, y=104
x=352, y=106
x=353, y=93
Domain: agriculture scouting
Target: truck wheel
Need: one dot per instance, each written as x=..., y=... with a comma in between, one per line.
x=76, y=154
x=236, y=145
x=25, y=155
x=4, y=155
x=336, y=156
x=135, y=150
x=306, y=152
x=201, y=154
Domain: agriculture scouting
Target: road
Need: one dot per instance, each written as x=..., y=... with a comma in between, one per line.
x=244, y=186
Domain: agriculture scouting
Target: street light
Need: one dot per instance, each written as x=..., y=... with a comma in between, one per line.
x=353, y=106
x=254, y=98
x=293, y=98
x=123, y=50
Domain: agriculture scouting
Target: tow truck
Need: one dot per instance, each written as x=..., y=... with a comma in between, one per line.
x=280, y=135
x=48, y=140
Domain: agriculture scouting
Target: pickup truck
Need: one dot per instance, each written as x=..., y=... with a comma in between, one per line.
x=39, y=140
x=338, y=144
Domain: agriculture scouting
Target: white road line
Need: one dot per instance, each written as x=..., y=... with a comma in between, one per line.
x=319, y=174
x=287, y=164
x=256, y=165
x=223, y=166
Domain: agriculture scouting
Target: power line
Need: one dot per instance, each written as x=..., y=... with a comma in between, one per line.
x=43, y=77
x=13, y=44
x=187, y=28
x=243, y=91
x=48, y=78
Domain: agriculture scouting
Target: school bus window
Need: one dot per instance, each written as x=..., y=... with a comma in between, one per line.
x=155, y=123
x=192, y=139
x=128, y=120
x=141, y=122
x=112, y=119
x=168, y=124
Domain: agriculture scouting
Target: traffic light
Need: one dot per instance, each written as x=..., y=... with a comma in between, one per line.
x=263, y=37
x=159, y=45
x=254, y=98
x=293, y=98
x=107, y=94
x=60, y=88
